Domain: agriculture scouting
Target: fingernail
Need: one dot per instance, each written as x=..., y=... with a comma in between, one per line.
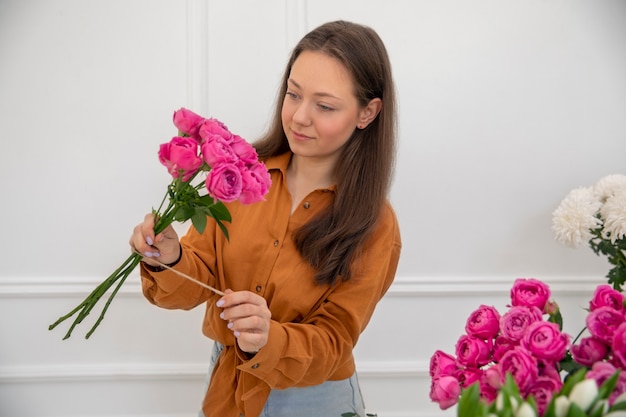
x=222, y=315
x=236, y=333
x=147, y=254
x=156, y=254
x=220, y=303
x=149, y=241
x=230, y=325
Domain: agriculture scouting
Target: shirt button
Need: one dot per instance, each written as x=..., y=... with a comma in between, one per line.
x=256, y=365
x=259, y=288
x=307, y=205
x=275, y=243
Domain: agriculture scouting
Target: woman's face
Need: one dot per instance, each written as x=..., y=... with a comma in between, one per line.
x=320, y=111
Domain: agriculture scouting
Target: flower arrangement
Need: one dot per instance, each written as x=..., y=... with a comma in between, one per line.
x=596, y=215
x=520, y=363
x=232, y=172
x=511, y=364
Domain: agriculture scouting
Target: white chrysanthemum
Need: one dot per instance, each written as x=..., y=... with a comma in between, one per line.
x=575, y=217
x=613, y=212
x=609, y=186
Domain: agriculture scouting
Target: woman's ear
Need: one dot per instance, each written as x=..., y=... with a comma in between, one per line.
x=369, y=112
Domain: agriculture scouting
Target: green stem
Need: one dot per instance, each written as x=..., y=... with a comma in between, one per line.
x=92, y=299
x=178, y=192
x=113, y=294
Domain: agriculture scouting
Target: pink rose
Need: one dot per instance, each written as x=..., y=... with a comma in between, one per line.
x=490, y=383
x=244, y=150
x=530, y=293
x=521, y=365
x=445, y=391
x=224, y=182
x=514, y=322
x=549, y=369
x=256, y=183
x=213, y=127
x=483, y=323
x=442, y=364
x=602, y=323
x=545, y=340
x=217, y=150
x=472, y=351
x=542, y=390
x=187, y=122
x=606, y=296
x=619, y=346
x=601, y=371
x=551, y=308
x=467, y=376
x=501, y=346
x=589, y=351
x=180, y=156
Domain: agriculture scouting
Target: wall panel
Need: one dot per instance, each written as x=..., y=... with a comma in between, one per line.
x=504, y=107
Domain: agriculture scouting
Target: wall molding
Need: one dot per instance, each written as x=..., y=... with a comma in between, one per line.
x=174, y=371
x=52, y=287
x=296, y=22
x=198, y=56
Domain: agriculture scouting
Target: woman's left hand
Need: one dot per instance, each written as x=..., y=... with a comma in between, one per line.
x=248, y=317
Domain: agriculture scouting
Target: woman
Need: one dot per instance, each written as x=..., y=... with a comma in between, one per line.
x=303, y=270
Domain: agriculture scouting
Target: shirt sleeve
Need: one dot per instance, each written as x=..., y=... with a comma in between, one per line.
x=168, y=290
x=310, y=352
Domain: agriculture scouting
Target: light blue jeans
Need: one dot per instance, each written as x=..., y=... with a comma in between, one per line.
x=332, y=398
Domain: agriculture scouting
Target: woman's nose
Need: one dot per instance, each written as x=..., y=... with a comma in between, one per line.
x=302, y=114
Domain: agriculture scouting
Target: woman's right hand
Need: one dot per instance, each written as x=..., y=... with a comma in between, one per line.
x=163, y=247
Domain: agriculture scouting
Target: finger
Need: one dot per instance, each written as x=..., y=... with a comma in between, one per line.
x=234, y=298
x=147, y=229
x=250, y=324
x=138, y=242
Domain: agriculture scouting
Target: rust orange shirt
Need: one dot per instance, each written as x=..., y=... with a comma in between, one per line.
x=314, y=328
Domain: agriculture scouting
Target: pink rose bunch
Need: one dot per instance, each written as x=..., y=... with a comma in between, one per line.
x=521, y=342
x=234, y=171
x=604, y=350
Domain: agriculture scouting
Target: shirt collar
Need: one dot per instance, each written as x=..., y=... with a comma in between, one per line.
x=281, y=162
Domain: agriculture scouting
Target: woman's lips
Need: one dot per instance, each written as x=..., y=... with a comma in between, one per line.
x=300, y=136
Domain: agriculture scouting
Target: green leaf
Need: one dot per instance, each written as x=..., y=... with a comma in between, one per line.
x=618, y=407
x=219, y=211
x=573, y=379
x=569, y=365
x=222, y=228
x=183, y=213
x=557, y=318
x=198, y=219
x=470, y=404
x=575, y=411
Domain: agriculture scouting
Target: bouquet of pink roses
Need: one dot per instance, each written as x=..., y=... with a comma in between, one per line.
x=521, y=342
x=520, y=363
x=603, y=349
x=233, y=172
x=511, y=364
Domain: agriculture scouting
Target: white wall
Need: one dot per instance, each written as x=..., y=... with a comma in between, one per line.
x=504, y=106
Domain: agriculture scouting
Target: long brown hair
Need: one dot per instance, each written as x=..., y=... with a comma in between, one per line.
x=332, y=240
